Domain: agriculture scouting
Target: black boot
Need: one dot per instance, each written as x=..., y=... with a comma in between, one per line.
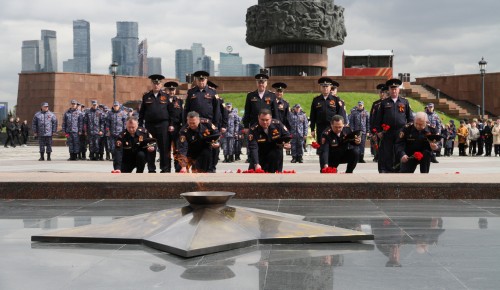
x=293, y=159
x=231, y=158
x=48, y=156
x=299, y=159
x=93, y=156
x=237, y=157
x=107, y=156
x=101, y=158
x=41, y=157
x=84, y=156
x=226, y=159
x=70, y=157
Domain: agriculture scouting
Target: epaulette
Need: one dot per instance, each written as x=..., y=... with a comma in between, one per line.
x=409, y=125
x=145, y=94
x=274, y=121
x=204, y=121
x=327, y=131
x=139, y=129
x=254, y=127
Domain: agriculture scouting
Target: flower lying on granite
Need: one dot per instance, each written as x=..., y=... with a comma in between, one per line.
x=315, y=145
x=329, y=170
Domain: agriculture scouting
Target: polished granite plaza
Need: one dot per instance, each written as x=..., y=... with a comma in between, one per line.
x=419, y=244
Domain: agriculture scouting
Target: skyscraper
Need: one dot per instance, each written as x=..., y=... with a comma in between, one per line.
x=252, y=69
x=154, y=65
x=198, y=54
x=81, y=46
x=208, y=65
x=125, y=48
x=231, y=64
x=32, y=56
x=183, y=63
x=49, y=40
x=143, y=58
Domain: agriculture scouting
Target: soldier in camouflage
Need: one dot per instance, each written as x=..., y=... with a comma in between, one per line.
x=299, y=127
x=83, y=138
x=359, y=119
x=230, y=134
x=72, y=125
x=93, y=126
x=116, y=121
x=44, y=125
x=434, y=121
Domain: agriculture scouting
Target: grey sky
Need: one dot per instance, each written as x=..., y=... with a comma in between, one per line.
x=428, y=37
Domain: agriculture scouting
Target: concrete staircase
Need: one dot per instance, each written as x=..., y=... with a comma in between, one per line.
x=453, y=108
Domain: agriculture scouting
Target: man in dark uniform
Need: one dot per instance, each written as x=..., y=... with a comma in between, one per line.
x=176, y=113
x=133, y=148
x=154, y=116
x=266, y=141
x=414, y=137
x=383, y=90
x=325, y=106
x=196, y=140
x=258, y=100
x=394, y=112
x=283, y=106
x=339, y=145
x=203, y=99
x=222, y=126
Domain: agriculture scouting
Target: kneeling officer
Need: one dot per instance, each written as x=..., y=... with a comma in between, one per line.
x=133, y=147
x=339, y=145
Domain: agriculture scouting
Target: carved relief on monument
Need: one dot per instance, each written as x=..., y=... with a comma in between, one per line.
x=277, y=21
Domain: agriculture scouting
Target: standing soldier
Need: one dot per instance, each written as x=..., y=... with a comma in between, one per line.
x=203, y=99
x=103, y=141
x=258, y=100
x=283, y=112
x=383, y=90
x=175, y=111
x=82, y=135
x=299, y=126
x=393, y=114
x=115, y=125
x=238, y=137
x=222, y=125
x=325, y=106
x=72, y=125
x=44, y=125
x=434, y=122
x=359, y=119
x=196, y=140
x=154, y=116
x=266, y=141
x=230, y=134
x=93, y=127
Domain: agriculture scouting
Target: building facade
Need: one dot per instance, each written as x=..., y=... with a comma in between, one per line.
x=32, y=56
x=231, y=64
x=125, y=48
x=183, y=63
x=81, y=46
x=143, y=58
x=154, y=65
x=49, y=40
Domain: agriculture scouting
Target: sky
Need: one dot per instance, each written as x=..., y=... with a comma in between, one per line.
x=429, y=38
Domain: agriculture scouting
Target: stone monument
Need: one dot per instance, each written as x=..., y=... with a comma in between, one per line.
x=295, y=34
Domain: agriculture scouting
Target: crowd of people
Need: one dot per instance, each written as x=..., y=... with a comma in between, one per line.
x=188, y=133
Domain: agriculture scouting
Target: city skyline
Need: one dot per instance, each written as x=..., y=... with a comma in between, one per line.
x=439, y=41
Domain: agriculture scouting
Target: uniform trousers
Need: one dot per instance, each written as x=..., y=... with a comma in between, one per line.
x=73, y=142
x=159, y=131
x=386, y=154
x=411, y=165
x=45, y=144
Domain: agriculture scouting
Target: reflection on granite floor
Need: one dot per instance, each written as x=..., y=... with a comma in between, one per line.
x=418, y=245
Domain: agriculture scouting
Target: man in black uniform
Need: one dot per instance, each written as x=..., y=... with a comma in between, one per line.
x=414, y=137
x=339, y=145
x=394, y=112
x=266, y=141
x=202, y=99
x=222, y=126
x=154, y=116
x=382, y=88
x=133, y=148
x=325, y=106
x=196, y=140
x=283, y=106
x=258, y=100
x=175, y=112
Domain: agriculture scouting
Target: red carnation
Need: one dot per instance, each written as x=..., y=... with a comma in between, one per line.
x=66, y=135
x=238, y=171
x=315, y=145
x=418, y=156
x=374, y=130
x=386, y=127
x=329, y=170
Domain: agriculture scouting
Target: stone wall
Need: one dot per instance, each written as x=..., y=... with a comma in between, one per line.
x=468, y=88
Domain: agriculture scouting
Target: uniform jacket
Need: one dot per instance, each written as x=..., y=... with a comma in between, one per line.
x=10, y=128
x=359, y=120
x=434, y=120
x=191, y=142
x=44, y=124
x=232, y=124
x=116, y=122
x=283, y=112
x=205, y=102
x=93, y=122
x=260, y=142
x=154, y=109
x=298, y=124
x=395, y=114
x=127, y=145
x=176, y=111
x=253, y=105
x=333, y=144
x=72, y=121
x=411, y=140
x=323, y=110
x=373, y=112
